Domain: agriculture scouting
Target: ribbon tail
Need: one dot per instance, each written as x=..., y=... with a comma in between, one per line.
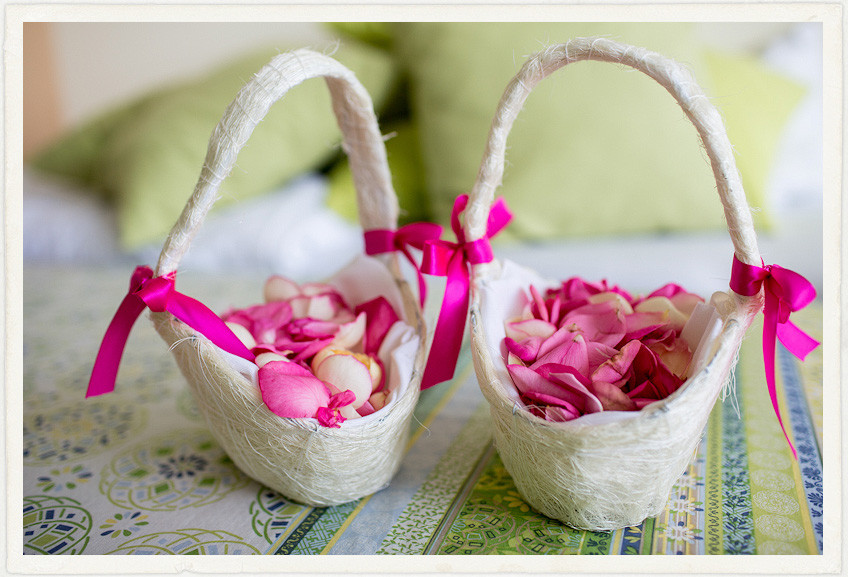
x=769, y=336
x=199, y=317
x=105, y=370
x=450, y=328
x=795, y=340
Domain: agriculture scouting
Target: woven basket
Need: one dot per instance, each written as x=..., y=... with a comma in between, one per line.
x=617, y=472
x=302, y=460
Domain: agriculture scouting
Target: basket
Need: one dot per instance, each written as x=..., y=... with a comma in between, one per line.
x=306, y=462
x=612, y=472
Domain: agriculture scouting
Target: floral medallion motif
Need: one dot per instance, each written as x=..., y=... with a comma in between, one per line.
x=123, y=524
x=59, y=480
x=185, y=468
x=79, y=430
x=272, y=514
x=55, y=526
x=186, y=542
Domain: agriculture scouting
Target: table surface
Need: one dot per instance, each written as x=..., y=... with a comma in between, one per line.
x=137, y=472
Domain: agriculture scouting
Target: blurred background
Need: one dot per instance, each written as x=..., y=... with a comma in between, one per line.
x=602, y=165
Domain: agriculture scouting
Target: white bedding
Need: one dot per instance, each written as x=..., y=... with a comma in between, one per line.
x=291, y=231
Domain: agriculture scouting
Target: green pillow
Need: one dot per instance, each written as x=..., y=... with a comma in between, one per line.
x=146, y=157
x=755, y=104
x=597, y=149
x=404, y=156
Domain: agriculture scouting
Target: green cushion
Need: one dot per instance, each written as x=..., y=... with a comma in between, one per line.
x=597, y=149
x=404, y=156
x=146, y=157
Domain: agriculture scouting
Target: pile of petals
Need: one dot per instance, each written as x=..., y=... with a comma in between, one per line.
x=317, y=356
x=589, y=347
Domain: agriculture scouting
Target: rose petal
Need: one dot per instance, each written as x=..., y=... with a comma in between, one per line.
x=349, y=334
x=638, y=325
x=365, y=409
x=553, y=401
x=673, y=352
x=378, y=400
x=280, y=288
x=560, y=414
x=263, y=359
x=601, y=322
x=540, y=310
x=312, y=289
x=572, y=353
x=598, y=354
x=311, y=349
x=520, y=330
x=291, y=391
x=329, y=418
x=346, y=372
x=686, y=302
x=242, y=333
x=675, y=318
x=619, y=301
x=380, y=317
x=556, y=381
x=618, y=369
x=526, y=350
x=612, y=398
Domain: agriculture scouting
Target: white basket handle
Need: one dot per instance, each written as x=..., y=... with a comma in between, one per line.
x=673, y=77
x=378, y=206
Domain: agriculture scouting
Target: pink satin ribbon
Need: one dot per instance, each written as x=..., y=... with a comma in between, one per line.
x=785, y=292
x=452, y=260
x=157, y=294
x=414, y=235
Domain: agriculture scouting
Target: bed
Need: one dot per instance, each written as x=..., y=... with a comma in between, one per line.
x=137, y=472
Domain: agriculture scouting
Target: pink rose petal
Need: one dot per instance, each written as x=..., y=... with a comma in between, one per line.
x=618, y=368
x=573, y=353
x=638, y=325
x=555, y=381
x=350, y=334
x=540, y=310
x=291, y=391
x=519, y=330
x=560, y=414
x=612, y=398
x=346, y=372
x=526, y=350
x=280, y=288
x=380, y=318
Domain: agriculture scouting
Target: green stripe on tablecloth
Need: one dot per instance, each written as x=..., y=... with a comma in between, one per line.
x=322, y=530
x=780, y=526
x=494, y=519
x=647, y=535
x=414, y=528
x=300, y=531
x=713, y=534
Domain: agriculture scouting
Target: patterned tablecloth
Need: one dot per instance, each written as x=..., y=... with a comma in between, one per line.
x=137, y=472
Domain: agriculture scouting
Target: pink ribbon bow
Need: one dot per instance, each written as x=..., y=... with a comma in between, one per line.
x=414, y=235
x=452, y=260
x=157, y=294
x=785, y=292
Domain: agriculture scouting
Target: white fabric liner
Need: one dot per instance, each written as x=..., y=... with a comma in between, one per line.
x=364, y=279
x=503, y=295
